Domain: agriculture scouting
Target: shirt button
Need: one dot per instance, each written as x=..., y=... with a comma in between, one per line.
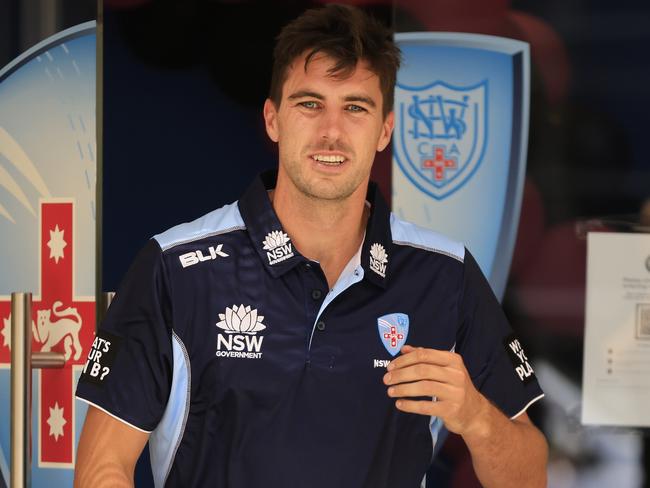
x=306, y=266
x=316, y=294
x=320, y=325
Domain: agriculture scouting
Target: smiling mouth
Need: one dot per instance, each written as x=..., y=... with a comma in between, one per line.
x=328, y=160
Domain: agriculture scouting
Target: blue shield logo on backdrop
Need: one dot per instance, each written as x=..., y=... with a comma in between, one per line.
x=460, y=140
x=393, y=330
x=442, y=135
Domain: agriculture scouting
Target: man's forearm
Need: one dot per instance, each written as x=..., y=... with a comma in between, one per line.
x=507, y=453
x=107, y=475
x=107, y=453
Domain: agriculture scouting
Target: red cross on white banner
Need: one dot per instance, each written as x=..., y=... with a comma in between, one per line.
x=61, y=322
x=440, y=164
x=394, y=336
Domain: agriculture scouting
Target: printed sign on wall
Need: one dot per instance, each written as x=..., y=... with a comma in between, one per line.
x=460, y=139
x=47, y=227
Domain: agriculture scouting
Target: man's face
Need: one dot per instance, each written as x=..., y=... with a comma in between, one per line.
x=328, y=128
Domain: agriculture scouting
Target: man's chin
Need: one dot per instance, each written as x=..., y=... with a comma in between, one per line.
x=328, y=192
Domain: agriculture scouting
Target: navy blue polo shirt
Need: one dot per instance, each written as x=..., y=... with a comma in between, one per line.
x=227, y=345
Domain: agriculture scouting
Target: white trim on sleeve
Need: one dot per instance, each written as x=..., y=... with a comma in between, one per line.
x=526, y=407
x=112, y=415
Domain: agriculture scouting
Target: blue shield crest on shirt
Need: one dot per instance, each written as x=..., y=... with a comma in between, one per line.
x=442, y=134
x=393, y=330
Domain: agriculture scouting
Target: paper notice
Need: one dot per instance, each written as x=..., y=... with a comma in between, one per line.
x=616, y=375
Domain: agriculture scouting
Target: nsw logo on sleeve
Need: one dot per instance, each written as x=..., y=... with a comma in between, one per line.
x=519, y=359
x=100, y=358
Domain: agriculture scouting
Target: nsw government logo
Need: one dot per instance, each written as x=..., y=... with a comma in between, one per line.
x=241, y=325
x=378, y=259
x=277, y=246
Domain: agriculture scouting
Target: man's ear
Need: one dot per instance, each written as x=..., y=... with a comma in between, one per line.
x=271, y=120
x=386, y=131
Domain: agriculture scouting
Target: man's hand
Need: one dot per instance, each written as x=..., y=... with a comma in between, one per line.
x=505, y=452
x=440, y=376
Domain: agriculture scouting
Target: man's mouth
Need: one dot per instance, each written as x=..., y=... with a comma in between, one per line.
x=328, y=159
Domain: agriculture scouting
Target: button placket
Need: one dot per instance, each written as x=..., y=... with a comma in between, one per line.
x=315, y=287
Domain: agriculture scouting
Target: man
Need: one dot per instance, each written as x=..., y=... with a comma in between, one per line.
x=249, y=346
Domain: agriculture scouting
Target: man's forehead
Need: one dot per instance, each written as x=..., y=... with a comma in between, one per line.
x=322, y=64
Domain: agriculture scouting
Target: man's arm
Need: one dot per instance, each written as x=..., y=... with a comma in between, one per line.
x=504, y=452
x=107, y=453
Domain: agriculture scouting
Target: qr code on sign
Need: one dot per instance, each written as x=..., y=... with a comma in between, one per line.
x=643, y=320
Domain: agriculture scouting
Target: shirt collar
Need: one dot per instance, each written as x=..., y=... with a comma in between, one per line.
x=377, y=247
x=279, y=255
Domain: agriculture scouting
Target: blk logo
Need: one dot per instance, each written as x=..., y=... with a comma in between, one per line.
x=196, y=257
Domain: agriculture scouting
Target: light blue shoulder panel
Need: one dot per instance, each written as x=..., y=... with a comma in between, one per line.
x=165, y=439
x=408, y=234
x=221, y=221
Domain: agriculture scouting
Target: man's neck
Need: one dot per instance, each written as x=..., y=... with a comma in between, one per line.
x=329, y=232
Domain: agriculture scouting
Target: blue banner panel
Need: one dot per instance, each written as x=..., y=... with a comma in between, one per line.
x=459, y=146
x=47, y=227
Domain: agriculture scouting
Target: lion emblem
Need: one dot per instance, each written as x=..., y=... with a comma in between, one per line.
x=65, y=328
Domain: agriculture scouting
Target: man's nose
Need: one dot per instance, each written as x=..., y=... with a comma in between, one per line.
x=331, y=125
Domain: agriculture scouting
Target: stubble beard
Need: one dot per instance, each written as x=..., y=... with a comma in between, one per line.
x=322, y=188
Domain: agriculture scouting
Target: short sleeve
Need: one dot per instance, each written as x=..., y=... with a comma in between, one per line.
x=129, y=366
x=493, y=355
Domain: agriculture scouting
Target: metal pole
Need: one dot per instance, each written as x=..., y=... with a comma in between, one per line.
x=107, y=298
x=22, y=362
x=21, y=388
x=48, y=360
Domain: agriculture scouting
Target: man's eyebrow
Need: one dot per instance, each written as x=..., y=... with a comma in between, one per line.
x=360, y=98
x=305, y=94
x=349, y=98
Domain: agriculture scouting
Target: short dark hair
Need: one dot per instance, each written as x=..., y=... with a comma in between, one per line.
x=344, y=33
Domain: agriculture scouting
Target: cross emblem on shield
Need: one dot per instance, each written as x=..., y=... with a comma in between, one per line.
x=393, y=330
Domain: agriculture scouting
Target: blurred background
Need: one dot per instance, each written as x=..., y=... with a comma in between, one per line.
x=182, y=84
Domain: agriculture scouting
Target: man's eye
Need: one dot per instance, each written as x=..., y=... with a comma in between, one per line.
x=310, y=105
x=355, y=108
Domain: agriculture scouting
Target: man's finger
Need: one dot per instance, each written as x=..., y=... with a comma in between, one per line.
x=422, y=389
x=411, y=355
x=423, y=371
x=420, y=407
